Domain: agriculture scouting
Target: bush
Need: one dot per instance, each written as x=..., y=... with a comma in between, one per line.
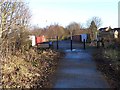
x=108, y=62
x=28, y=70
x=112, y=54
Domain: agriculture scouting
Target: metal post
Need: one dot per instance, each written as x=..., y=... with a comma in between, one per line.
x=84, y=44
x=57, y=43
x=71, y=41
x=71, y=45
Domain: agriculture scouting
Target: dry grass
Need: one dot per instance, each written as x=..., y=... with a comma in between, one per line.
x=108, y=63
x=29, y=70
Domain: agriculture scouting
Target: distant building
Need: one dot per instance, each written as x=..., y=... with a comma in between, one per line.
x=109, y=32
x=116, y=34
x=89, y=34
x=105, y=29
x=117, y=30
x=81, y=37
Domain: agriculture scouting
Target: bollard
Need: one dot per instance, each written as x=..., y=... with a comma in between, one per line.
x=84, y=44
x=50, y=44
x=57, y=43
x=71, y=44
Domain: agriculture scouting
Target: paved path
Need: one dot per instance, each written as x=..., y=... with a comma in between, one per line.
x=78, y=70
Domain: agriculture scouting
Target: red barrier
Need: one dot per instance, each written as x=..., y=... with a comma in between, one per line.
x=40, y=39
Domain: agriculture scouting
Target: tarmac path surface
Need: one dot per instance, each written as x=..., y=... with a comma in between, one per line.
x=78, y=70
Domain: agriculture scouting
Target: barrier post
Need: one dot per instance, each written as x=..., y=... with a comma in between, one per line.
x=84, y=45
x=57, y=43
x=71, y=42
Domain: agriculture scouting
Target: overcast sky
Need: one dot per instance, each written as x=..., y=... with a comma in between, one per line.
x=63, y=12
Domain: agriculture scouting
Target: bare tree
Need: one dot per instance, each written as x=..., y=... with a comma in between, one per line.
x=37, y=31
x=97, y=20
x=72, y=27
x=14, y=16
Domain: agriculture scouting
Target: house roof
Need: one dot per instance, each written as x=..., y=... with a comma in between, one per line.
x=114, y=29
x=103, y=29
x=118, y=29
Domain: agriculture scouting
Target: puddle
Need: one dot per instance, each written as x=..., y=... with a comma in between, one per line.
x=73, y=50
